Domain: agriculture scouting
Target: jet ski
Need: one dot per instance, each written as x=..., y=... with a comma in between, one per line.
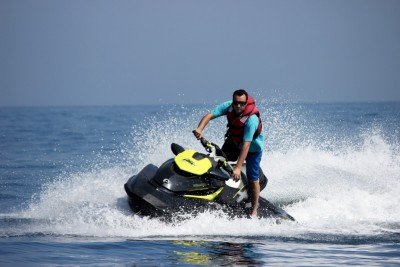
x=193, y=182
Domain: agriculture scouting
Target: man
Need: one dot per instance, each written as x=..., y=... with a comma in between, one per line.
x=244, y=138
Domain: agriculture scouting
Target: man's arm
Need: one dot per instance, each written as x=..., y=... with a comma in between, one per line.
x=218, y=111
x=243, y=154
x=202, y=124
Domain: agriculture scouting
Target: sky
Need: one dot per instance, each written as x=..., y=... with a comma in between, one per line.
x=95, y=52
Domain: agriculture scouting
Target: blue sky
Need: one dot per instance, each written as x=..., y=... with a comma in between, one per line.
x=149, y=52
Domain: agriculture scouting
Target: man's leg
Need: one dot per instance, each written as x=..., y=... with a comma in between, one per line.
x=255, y=194
x=253, y=173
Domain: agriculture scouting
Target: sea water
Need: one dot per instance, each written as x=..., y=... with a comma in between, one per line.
x=335, y=167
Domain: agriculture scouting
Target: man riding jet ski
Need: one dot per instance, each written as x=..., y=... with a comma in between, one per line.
x=193, y=182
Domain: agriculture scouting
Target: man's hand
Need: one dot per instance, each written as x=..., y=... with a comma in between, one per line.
x=236, y=174
x=198, y=133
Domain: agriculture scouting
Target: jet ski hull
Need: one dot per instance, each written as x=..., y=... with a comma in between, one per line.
x=149, y=196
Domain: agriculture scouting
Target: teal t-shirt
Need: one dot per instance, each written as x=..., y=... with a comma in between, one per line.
x=249, y=129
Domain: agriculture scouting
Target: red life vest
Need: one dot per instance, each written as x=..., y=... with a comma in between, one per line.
x=236, y=122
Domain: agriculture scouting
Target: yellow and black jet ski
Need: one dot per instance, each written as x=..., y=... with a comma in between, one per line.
x=193, y=182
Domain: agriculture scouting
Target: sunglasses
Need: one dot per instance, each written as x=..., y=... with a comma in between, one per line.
x=239, y=103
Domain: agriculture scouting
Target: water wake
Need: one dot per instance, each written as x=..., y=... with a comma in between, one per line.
x=333, y=189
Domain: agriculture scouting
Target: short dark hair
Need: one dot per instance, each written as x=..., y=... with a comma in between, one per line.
x=240, y=92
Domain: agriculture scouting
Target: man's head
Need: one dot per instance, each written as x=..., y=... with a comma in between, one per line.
x=239, y=101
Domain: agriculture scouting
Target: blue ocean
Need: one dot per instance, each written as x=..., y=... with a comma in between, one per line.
x=335, y=167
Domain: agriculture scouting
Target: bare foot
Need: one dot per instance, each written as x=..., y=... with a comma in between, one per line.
x=253, y=213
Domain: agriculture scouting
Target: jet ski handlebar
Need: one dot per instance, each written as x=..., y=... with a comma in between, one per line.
x=212, y=148
x=206, y=144
x=217, y=153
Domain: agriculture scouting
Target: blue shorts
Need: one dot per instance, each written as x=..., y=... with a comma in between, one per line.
x=253, y=160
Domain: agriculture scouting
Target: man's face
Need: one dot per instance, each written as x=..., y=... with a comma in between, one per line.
x=239, y=103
